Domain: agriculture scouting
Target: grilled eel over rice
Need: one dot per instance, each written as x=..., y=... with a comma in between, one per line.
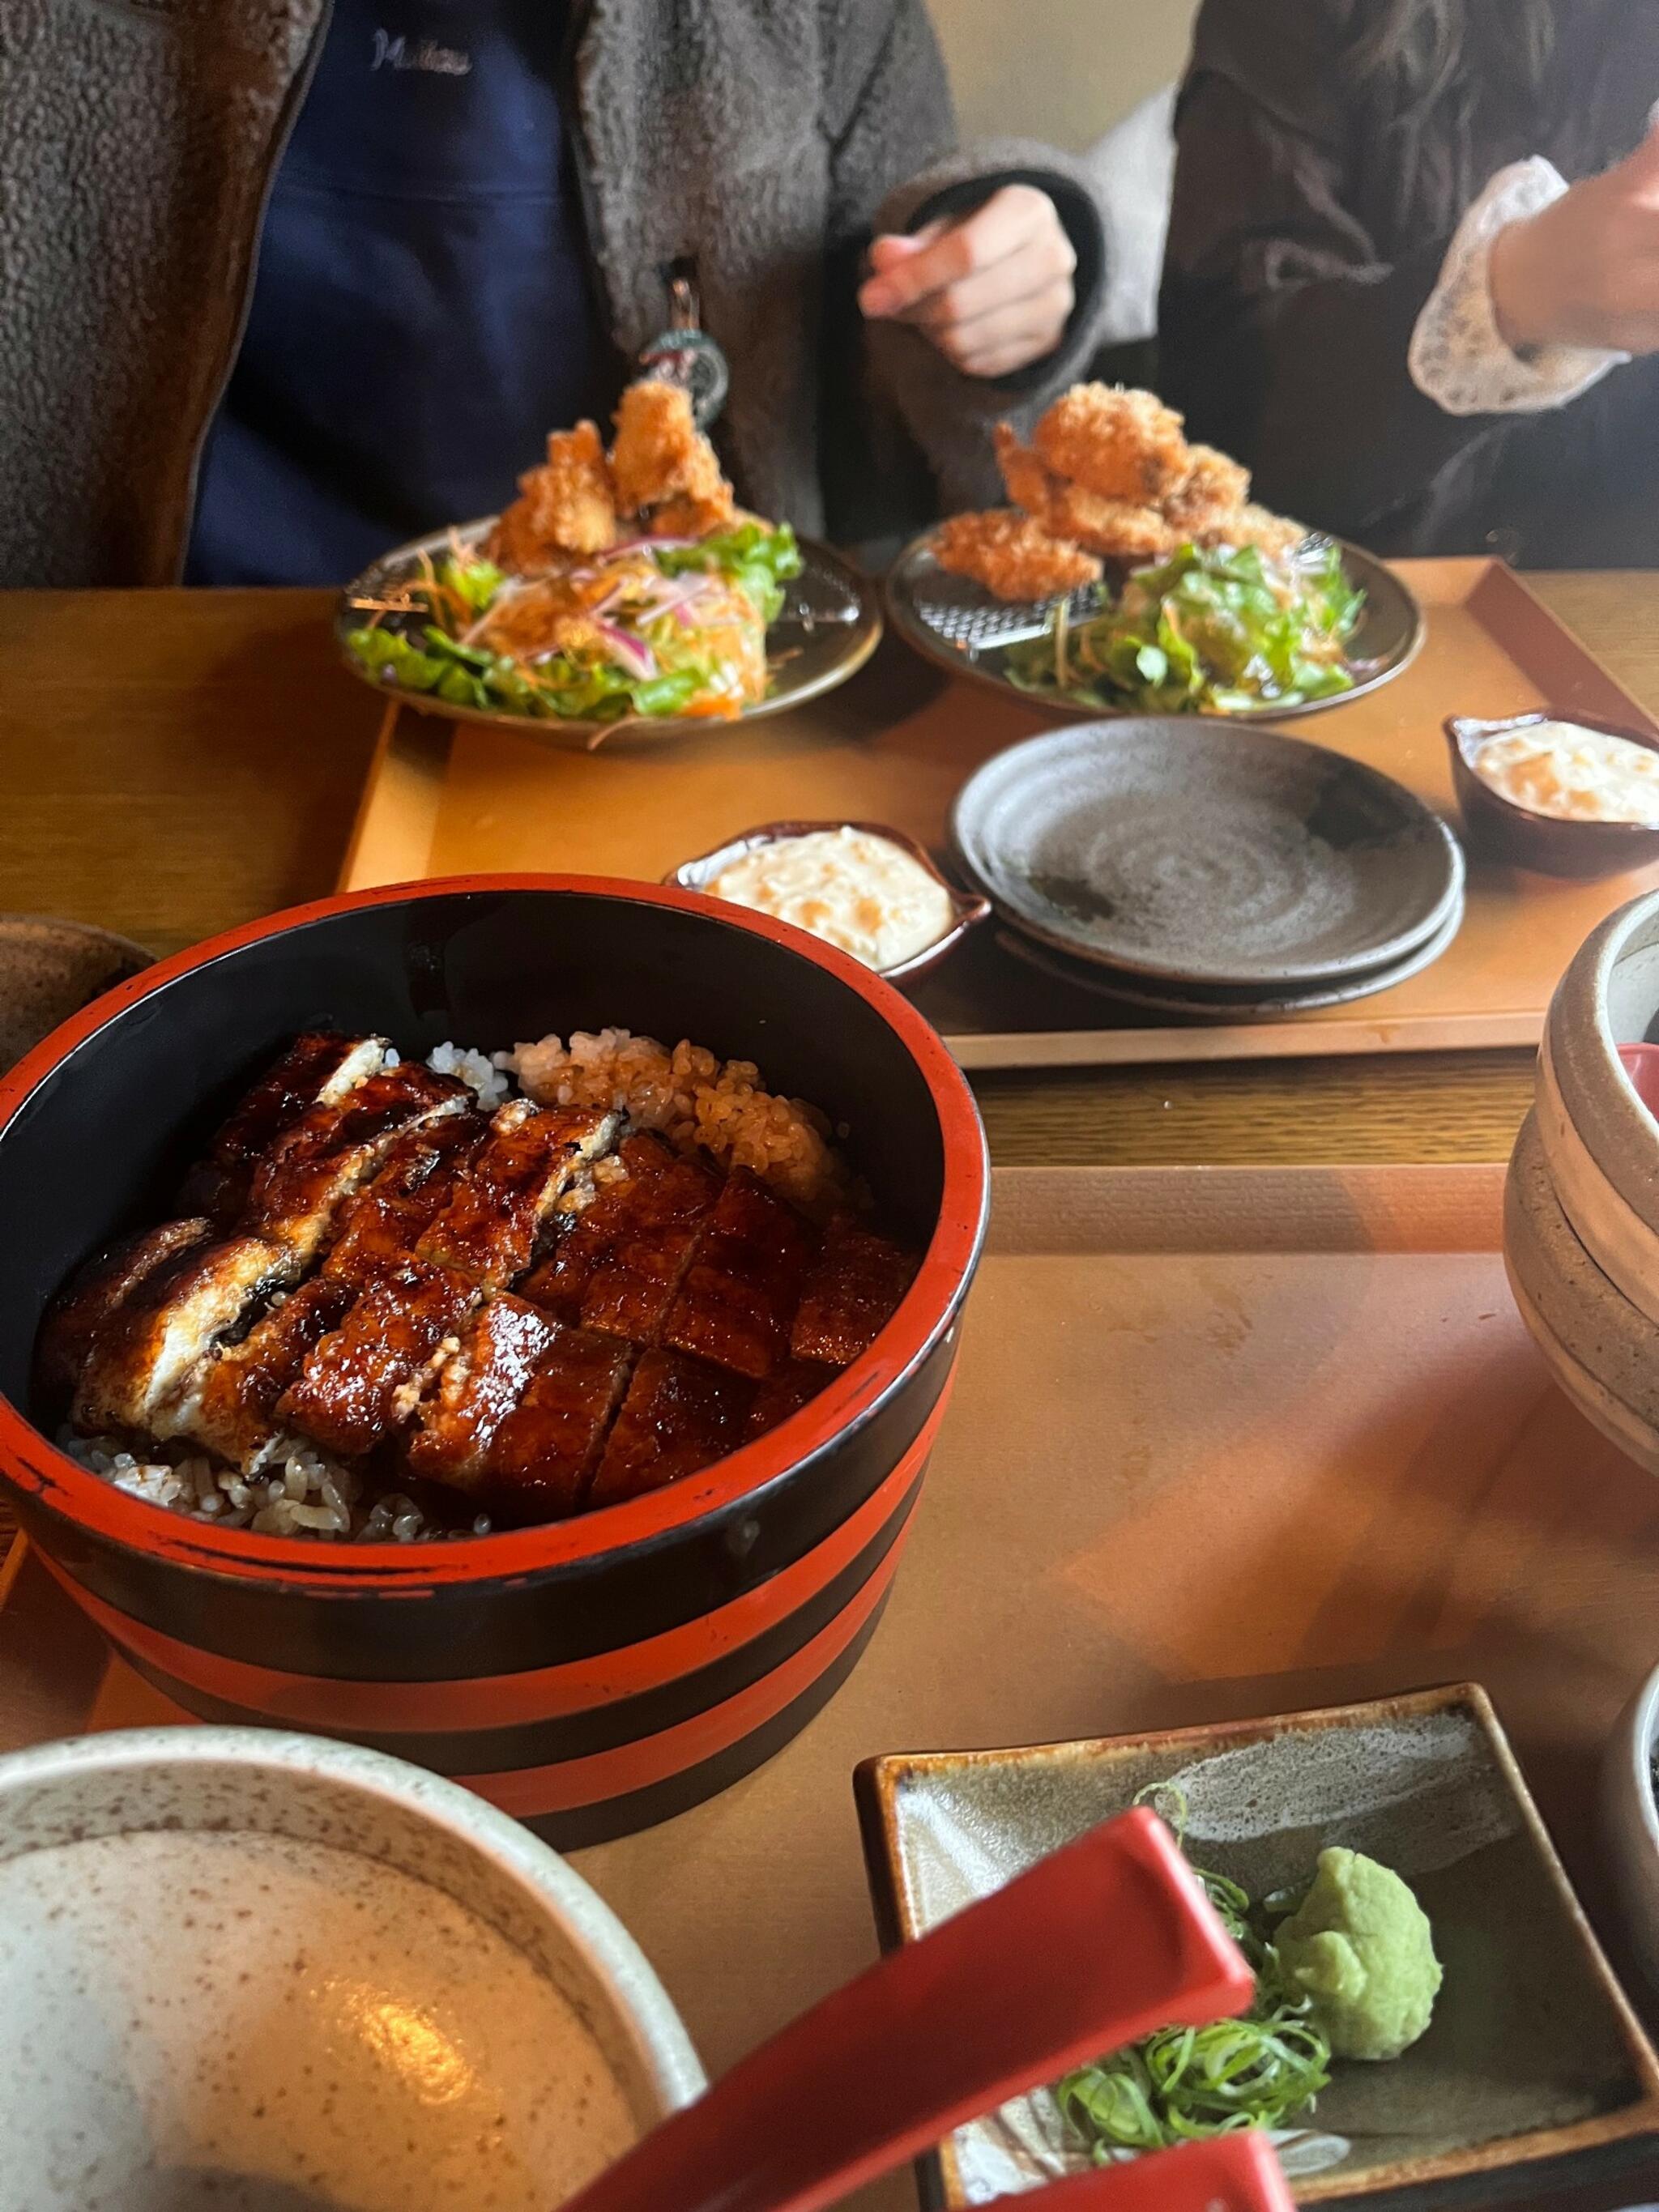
x=531, y=1311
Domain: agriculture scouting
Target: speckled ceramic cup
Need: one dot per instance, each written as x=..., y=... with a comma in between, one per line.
x=1602, y=1350
x=263, y=1973
x=1599, y=1141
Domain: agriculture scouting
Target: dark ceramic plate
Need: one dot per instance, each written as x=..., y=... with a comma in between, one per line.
x=1515, y=835
x=1223, y=1003
x=1192, y=852
x=830, y=626
x=967, y=906
x=958, y=625
x=49, y=969
x=1533, y=2069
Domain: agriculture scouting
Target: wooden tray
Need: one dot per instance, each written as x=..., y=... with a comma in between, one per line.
x=897, y=743
x=1225, y=1442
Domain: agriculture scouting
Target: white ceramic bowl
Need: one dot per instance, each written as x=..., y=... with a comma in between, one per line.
x=258, y=1972
x=1602, y=1350
x=1630, y=1824
x=1601, y=1142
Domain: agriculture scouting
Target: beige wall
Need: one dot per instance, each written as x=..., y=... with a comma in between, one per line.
x=1059, y=69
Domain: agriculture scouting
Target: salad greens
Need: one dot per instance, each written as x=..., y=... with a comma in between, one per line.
x=674, y=658
x=1221, y=631
x=1183, y=2082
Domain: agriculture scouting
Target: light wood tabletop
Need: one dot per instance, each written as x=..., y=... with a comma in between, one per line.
x=176, y=764
x=177, y=761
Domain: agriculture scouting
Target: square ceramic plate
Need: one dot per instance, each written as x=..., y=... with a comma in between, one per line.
x=1534, y=2057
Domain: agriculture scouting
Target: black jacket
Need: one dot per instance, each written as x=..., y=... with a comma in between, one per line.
x=1309, y=231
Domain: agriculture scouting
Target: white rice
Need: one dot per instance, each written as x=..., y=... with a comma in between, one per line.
x=476, y=1069
x=306, y=1494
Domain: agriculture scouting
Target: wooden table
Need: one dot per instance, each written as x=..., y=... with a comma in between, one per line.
x=176, y=763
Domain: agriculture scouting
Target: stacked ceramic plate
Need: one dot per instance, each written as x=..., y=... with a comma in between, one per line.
x=1581, y=1230
x=1202, y=869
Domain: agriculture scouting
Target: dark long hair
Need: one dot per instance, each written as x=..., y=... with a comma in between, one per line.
x=1423, y=48
x=1430, y=67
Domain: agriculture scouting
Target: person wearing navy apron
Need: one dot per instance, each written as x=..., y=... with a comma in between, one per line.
x=423, y=312
x=289, y=282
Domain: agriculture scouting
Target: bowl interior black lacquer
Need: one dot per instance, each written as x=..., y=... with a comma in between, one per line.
x=99, y=1144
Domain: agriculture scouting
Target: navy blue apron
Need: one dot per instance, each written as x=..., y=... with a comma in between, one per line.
x=423, y=312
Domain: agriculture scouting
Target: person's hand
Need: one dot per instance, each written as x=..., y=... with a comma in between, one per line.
x=1584, y=271
x=993, y=290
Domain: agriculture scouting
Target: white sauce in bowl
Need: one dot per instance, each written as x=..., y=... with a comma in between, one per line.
x=1570, y=774
x=861, y=893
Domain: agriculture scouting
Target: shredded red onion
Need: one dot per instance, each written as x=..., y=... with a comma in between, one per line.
x=655, y=545
x=635, y=656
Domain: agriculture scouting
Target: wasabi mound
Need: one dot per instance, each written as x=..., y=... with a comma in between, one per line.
x=1360, y=1948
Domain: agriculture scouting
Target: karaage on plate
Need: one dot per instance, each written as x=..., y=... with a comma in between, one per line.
x=1011, y=555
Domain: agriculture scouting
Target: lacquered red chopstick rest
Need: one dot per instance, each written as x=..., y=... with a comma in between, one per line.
x=1093, y=1948
x=1233, y=2174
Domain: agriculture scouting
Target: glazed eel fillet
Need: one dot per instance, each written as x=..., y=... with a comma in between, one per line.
x=361, y=1270
x=151, y=1359
x=364, y=1380
x=318, y=1069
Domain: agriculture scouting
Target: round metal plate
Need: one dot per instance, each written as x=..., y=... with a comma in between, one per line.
x=959, y=626
x=830, y=626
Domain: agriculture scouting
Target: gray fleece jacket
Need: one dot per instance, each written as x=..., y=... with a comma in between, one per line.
x=762, y=140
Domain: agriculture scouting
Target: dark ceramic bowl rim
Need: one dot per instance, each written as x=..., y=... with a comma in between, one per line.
x=1465, y=733
x=969, y=907
x=84, y=1499
x=84, y=932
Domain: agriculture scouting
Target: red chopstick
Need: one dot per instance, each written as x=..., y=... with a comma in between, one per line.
x=1232, y=2173
x=1094, y=1947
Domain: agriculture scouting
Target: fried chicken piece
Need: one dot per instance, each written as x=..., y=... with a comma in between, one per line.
x=660, y=456
x=1012, y=555
x=1122, y=446
x=1274, y=536
x=566, y=507
x=1029, y=484
x=1116, y=530
x=695, y=518
x=1211, y=493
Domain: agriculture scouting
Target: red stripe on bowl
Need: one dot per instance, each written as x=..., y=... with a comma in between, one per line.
x=505, y=1700
x=528, y=1792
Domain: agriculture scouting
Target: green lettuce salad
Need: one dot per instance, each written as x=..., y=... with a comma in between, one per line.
x=655, y=628
x=1220, y=632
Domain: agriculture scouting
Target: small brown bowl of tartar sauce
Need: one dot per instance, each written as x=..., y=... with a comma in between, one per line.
x=1562, y=794
x=867, y=889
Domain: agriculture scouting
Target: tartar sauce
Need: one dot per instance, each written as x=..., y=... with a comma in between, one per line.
x=1572, y=774
x=861, y=893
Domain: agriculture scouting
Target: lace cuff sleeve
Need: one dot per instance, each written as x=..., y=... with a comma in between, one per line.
x=1458, y=356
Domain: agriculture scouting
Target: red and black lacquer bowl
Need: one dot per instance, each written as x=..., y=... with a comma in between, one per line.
x=596, y=1675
